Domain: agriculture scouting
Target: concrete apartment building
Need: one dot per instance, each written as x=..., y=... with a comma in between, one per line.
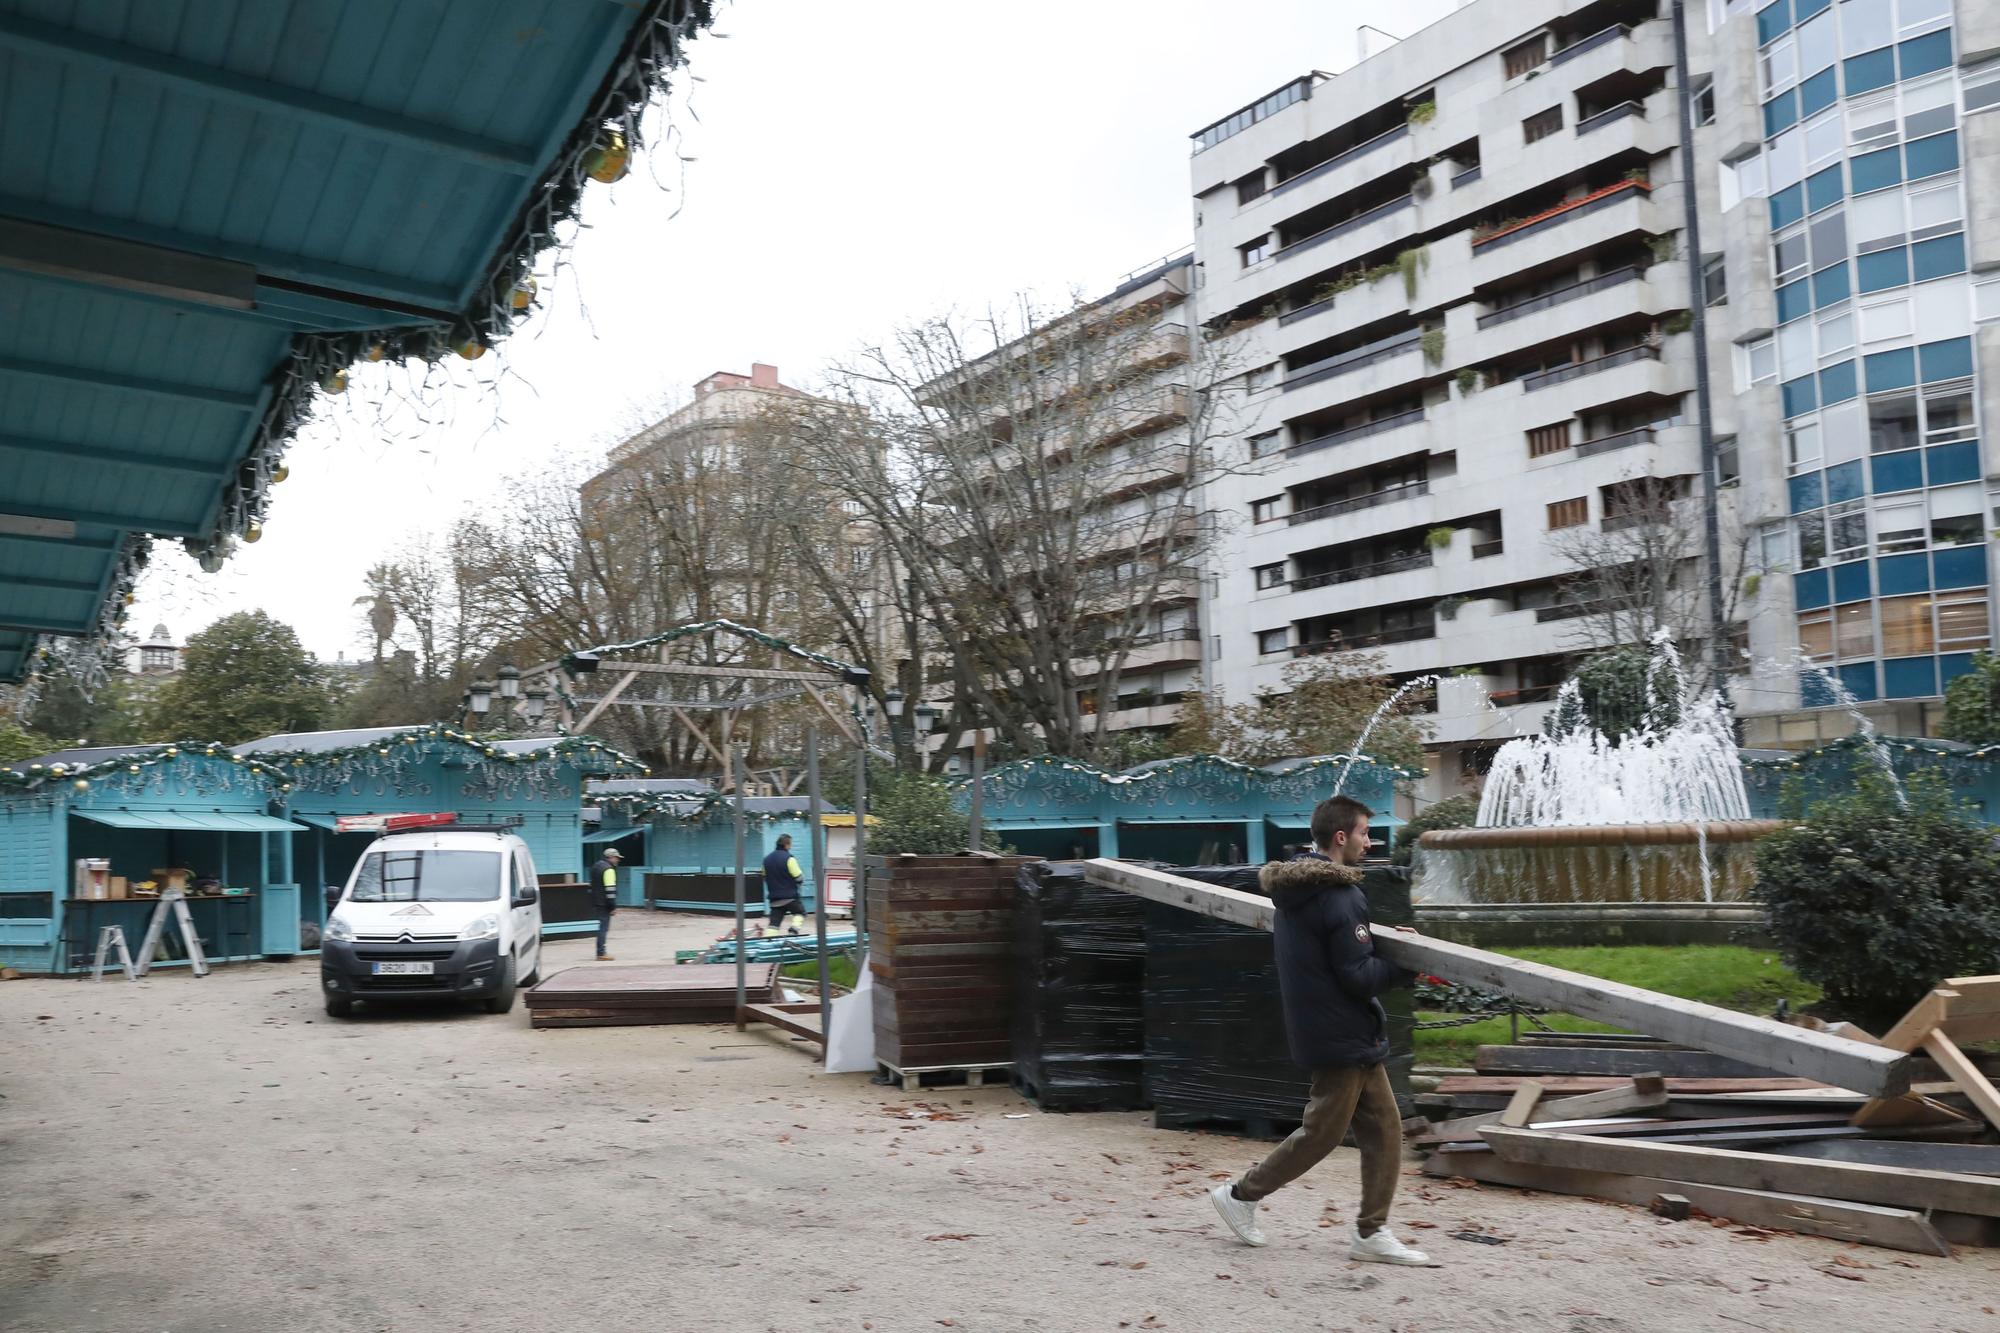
x=1450, y=271
x=1850, y=186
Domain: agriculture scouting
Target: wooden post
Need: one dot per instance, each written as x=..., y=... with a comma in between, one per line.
x=1852, y=1065
x=978, y=828
x=816, y=835
x=742, y=997
x=860, y=878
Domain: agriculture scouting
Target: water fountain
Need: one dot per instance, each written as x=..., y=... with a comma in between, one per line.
x=1657, y=816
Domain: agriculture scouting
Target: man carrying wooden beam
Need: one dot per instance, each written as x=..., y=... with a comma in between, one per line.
x=1330, y=976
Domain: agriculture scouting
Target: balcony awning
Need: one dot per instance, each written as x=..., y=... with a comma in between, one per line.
x=191, y=821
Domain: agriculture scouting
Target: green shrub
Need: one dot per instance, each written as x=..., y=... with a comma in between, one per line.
x=1453, y=812
x=1972, y=703
x=1878, y=904
x=918, y=817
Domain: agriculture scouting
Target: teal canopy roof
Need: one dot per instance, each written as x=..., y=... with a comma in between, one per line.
x=214, y=821
x=209, y=208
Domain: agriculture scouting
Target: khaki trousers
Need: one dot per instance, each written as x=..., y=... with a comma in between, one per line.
x=1361, y=1097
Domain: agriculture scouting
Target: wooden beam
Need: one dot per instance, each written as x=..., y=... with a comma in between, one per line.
x=1521, y=1106
x=1972, y=1159
x=1609, y=1060
x=1759, y=1041
x=719, y=672
x=605, y=700
x=1641, y=1094
x=1862, y=1223
x=702, y=736
x=1926, y=1014
x=846, y=725
x=1966, y=1074
x=1890, y=1186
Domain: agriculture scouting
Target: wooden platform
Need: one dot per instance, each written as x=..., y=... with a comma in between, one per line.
x=798, y=1017
x=642, y=994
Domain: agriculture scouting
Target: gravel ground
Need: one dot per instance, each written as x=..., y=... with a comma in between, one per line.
x=218, y=1154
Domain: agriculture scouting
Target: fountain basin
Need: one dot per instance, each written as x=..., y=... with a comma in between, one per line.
x=1591, y=863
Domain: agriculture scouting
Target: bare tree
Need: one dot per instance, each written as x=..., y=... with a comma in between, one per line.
x=1639, y=572
x=1034, y=478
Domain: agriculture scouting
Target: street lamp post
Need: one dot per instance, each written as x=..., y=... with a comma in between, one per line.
x=517, y=706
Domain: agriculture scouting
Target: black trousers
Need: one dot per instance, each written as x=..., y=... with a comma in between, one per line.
x=780, y=909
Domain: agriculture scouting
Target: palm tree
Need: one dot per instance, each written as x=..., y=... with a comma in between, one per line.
x=381, y=603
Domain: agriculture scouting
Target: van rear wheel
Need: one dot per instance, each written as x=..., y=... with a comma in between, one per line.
x=501, y=1000
x=339, y=1008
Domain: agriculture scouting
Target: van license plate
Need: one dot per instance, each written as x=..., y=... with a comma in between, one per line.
x=403, y=969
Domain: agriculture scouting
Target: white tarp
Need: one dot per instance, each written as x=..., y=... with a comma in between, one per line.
x=850, y=1034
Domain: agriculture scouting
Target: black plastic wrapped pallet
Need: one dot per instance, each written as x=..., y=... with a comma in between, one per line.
x=1079, y=1023
x=1215, y=1032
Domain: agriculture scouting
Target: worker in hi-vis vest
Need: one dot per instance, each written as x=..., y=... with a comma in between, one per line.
x=782, y=877
x=604, y=896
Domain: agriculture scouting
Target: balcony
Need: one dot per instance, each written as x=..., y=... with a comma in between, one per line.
x=1527, y=694
x=1607, y=116
x=1487, y=550
x=1607, y=197
x=1564, y=374
x=1355, y=223
x=1378, y=639
x=1569, y=611
x=1602, y=37
x=1382, y=140
x=1362, y=431
x=1574, y=292
x=1624, y=439
x=1398, y=565
x=1359, y=502
x=1368, y=355
x=1467, y=177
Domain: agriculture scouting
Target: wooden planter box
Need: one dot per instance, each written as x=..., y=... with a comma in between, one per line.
x=941, y=930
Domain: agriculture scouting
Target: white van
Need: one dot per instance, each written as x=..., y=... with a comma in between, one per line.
x=452, y=913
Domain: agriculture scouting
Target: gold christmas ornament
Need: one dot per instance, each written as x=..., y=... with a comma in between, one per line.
x=253, y=533
x=609, y=161
x=279, y=473
x=375, y=352
x=334, y=381
x=472, y=349
x=81, y=784
x=523, y=294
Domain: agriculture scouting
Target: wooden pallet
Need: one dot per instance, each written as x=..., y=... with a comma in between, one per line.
x=645, y=994
x=941, y=1076
x=1269, y=1128
x=1962, y=1009
x=798, y=1017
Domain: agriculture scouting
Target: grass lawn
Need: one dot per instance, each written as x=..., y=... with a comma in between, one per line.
x=840, y=970
x=1749, y=980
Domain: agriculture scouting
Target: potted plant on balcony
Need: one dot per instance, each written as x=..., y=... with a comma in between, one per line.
x=1447, y=608
x=1439, y=539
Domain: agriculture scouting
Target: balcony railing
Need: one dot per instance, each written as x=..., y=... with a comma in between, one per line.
x=1365, y=429
x=1398, y=565
x=1353, y=503
x=1573, y=292
x=1353, y=360
x=1375, y=639
x=1355, y=223
x=1304, y=311
x=1567, y=212
x=1602, y=37
x=1482, y=550
x=1466, y=177
x=1569, y=611
x=1604, y=444
x=1564, y=374
x=1382, y=140
x=1606, y=116
x=1527, y=694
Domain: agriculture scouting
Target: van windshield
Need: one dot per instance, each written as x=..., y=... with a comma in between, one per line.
x=431, y=877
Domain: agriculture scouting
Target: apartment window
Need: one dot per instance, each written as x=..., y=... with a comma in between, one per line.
x=1569, y=513
x=1963, y=622
x=1546, y=440
x=1271, y=641
x=1257, y=251
x=1802, y=444
x=1715, y=282
x=1250, y=187
x=1811, y=530
x=1847, y=525
x=1774, y=547
x=1530, y=54
x=1542, y=124
x=1270, y=576
x=1728, y=465
x=1788, y=255
x=1982, y=87
x=1854, y=631
x=1263, y=377
x=1265, y=443
x=1267, y=510
x=1760, y=360
x=1900, y=528
x=1816, y=635
x=1704, y=102
x=1906, y=626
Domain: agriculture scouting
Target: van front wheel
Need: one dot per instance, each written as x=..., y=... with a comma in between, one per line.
x=501, y=1000
x=339, y=1008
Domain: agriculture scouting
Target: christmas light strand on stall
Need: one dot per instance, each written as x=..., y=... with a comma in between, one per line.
x=493, y=771
x=771, y=641
x=1020, y=771
x=138, y=763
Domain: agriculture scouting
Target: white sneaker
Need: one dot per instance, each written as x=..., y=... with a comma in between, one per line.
x=1240, y=1214
x=1384, y=1248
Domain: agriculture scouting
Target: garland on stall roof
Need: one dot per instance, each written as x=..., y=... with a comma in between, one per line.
x=135, y=764
x=1938, y=752
x=587, y=753
x=771, y=641
x=1172, y=767
x=691, y=808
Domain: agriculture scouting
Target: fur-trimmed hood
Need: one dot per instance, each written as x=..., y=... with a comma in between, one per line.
x=1289, y=883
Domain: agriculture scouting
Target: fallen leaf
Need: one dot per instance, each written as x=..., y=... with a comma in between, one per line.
x=952, y=1235
x=1843, y=1273
x=1421, y=1226
x=1140, y=1264
x=1078, y=1221
x=1849, y=1261
x=1225, y=1277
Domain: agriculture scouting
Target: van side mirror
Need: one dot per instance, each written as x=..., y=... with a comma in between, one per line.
x=526, y=897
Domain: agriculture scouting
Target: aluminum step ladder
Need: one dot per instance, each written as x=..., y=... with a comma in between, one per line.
x=107, y=936
x=172, y=900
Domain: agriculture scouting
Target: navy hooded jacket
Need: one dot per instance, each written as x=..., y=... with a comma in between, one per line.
x=1328, y=971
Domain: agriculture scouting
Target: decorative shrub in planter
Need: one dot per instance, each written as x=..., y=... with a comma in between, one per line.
x=1877, y=903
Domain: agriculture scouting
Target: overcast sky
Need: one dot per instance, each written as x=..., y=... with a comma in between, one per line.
x=855, y=166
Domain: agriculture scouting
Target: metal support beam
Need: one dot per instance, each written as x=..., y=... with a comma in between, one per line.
x=66, y=46
x=50, y=585
x=96, y=379
x=82, y=454
x=721, y=672
x=102, y=261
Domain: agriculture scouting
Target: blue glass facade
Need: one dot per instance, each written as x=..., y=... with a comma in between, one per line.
x=1873, y=352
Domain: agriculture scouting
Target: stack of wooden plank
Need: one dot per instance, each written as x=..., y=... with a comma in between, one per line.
x=1644, y=1121
x=643, y=994
x=940, y=948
